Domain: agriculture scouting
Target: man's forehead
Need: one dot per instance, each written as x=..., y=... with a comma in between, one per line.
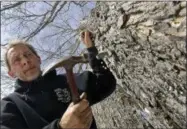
x=17, y=49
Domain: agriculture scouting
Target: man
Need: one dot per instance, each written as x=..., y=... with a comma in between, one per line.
x=48, y=97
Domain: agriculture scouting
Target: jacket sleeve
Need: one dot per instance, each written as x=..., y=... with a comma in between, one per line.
x=11, y=118
x=53, y=125
x=101, y=82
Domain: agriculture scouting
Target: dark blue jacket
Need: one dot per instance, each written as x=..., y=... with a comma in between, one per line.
x=49, y=96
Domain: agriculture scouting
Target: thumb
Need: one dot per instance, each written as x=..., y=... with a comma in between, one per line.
x=83, y=95
x=71, y=104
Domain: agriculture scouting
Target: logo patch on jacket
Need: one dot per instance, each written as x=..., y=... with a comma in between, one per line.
x=63, y=95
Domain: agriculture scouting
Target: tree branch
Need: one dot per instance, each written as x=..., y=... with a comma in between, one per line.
x=12, y=6
x=45, y=21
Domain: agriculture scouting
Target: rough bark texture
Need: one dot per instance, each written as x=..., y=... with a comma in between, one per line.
x=147, y=54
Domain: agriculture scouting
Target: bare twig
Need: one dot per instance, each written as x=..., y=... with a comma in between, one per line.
x=6, y=7
x=46, y=20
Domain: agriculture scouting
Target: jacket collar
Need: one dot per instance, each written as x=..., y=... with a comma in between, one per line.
x=24, y=86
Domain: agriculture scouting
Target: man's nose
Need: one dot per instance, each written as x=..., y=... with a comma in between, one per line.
x=25, y=61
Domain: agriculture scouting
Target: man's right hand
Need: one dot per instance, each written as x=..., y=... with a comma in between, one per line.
x=77, y=115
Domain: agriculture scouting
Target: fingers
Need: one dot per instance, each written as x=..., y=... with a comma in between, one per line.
x=84, y=103
x=83, y=96
x=86, y=112
x=87, y=117
x=80, y=113
x=80, y=106
x=89, y=121
x=85, y=34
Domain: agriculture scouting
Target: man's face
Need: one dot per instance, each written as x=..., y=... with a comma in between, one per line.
x=24, y=64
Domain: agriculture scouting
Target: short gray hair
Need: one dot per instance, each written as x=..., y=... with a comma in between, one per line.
x=14, y=43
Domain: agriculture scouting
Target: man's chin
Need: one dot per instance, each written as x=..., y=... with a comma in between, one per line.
x=33, y=77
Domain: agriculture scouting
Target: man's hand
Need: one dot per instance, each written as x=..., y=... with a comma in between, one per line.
x=86, y=38
x=77, y=115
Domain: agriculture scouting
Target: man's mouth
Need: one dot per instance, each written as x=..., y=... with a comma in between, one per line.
x=29, y=69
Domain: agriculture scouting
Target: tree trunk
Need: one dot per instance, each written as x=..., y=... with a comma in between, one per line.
x=147, y=55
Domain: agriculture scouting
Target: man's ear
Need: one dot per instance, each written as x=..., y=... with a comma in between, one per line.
x=11, y=74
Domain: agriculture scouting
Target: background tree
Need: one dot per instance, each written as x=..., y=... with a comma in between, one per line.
x=146, y=42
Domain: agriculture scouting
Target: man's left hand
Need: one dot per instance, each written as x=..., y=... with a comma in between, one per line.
x=86, y=38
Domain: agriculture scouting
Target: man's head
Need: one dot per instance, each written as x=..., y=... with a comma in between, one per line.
x=22, y=61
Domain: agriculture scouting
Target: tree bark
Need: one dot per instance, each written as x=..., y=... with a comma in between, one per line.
x=146, y=46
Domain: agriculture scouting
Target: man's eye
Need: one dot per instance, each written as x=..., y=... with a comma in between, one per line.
x=16, y=60
x=29, y=54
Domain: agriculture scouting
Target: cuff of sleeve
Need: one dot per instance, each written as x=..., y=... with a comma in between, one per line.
x=92, y=50
x=92, y=53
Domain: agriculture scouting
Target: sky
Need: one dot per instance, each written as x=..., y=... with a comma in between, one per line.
x=6, y=35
